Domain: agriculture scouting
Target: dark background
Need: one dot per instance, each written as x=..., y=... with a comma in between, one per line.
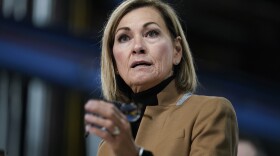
x=235, y=44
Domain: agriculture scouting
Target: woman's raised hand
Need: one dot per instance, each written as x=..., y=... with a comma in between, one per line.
x=106, y=121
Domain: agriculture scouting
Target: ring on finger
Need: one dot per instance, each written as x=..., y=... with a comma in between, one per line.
x=116, y=131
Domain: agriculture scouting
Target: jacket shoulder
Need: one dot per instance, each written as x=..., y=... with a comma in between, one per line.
x=210, y=102
x=215, y=115
x=200, y=106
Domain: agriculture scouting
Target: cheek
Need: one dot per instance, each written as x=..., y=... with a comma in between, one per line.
x=120, y=58
x=164, y=60
x=117, y=55
x=164, y=56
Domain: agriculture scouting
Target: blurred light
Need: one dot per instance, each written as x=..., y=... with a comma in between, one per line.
x=36, y=118
x=8, y=7
x=4, y=88
x=42, y=12
x=15, y=116
x=20, y=9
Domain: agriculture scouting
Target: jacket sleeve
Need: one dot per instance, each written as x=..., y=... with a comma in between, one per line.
x=215, y=131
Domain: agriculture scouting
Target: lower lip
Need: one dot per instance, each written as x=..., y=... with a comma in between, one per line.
x=141, y=66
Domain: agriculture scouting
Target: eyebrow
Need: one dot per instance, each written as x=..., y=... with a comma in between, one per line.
x=145, y=25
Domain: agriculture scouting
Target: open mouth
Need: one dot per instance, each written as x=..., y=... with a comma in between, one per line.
x=140, y=63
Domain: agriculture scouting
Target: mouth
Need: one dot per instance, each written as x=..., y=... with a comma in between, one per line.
x=140, y=63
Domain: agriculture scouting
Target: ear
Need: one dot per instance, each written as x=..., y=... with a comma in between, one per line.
x=177, y=54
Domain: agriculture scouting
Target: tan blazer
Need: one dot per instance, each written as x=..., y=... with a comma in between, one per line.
x=201, y=126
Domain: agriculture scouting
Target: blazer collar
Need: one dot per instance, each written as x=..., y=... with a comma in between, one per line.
x=169, y=95
x=150, y=96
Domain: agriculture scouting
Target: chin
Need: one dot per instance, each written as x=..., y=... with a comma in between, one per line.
x=143, y=83
x=142, y=79
x=140, y=82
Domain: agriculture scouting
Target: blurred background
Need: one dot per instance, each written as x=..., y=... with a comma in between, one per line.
x=49, y=68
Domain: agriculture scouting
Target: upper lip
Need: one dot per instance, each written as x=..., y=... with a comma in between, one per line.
x=141, y=62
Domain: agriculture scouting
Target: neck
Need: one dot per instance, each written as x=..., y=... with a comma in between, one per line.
x=149, y=97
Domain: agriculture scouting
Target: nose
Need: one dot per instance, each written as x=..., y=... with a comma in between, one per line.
x=139, y=46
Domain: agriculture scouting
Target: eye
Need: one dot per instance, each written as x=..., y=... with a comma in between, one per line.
x=123, y=38
x=152, y=33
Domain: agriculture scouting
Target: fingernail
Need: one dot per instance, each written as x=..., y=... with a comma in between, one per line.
x=87, y=127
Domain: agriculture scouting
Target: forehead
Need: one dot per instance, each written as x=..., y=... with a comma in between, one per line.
x=141, y=16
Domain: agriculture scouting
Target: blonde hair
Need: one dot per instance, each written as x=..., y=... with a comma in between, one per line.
x=185, y=75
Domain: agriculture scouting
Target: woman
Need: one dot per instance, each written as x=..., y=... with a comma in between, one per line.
x=146, y=59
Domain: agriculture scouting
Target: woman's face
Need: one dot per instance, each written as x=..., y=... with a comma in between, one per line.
x=143, y=49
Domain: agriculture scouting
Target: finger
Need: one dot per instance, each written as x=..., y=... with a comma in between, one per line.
x=104, y=109
x=99, y=107
x=110, y=113
x=98, y=122
x=100, y=133
x=114, y=109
